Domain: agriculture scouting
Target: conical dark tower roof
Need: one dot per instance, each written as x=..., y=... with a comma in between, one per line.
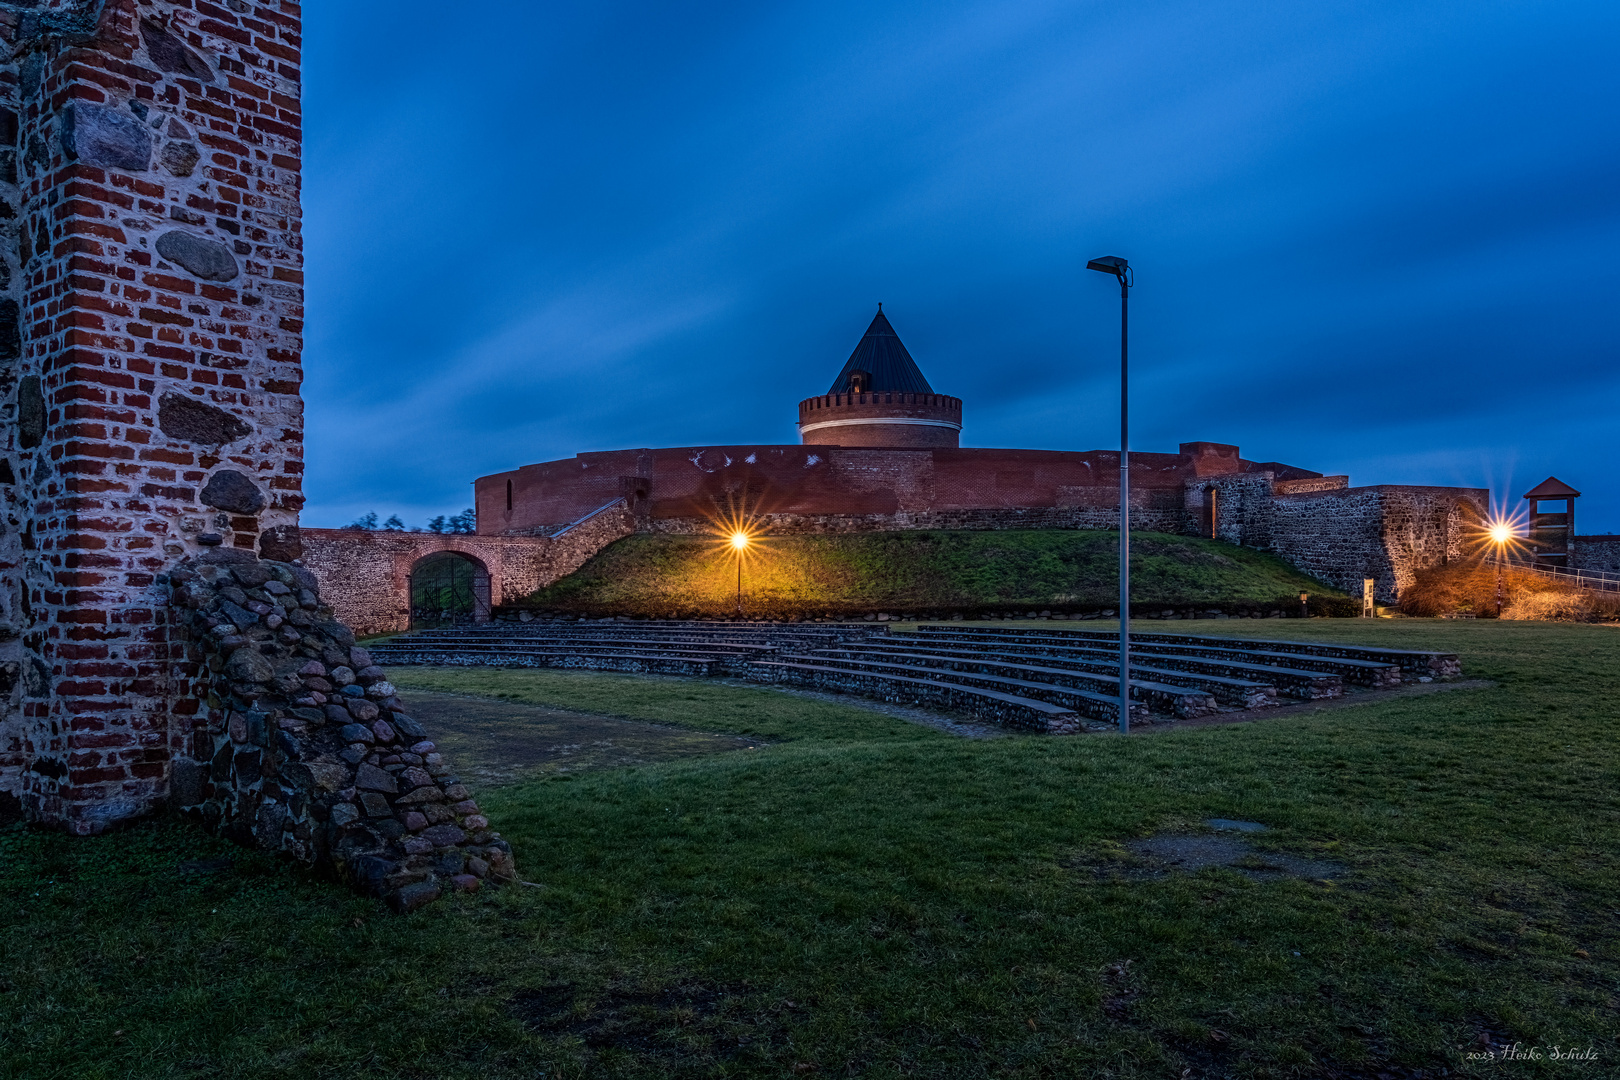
x=881, y=356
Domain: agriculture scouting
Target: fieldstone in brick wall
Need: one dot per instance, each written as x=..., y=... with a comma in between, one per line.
x=281, y=543
x=106, y=138
x=208, y=259
x=10, y=321
x=189, y=420
x=30, y=412
x=180, y=158
x=229, y=490
x=276, y=762
x=168, y=53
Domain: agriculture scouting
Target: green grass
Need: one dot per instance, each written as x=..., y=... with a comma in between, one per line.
x=867, y=898
x=918, y=571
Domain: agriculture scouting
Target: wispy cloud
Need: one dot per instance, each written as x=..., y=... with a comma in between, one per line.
x=1367, y=241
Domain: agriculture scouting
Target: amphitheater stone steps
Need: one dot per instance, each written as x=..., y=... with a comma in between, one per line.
x=1036, y=678
x=1233, y=692
x=1296, y=681
x=1180, y=700
x=998, y=707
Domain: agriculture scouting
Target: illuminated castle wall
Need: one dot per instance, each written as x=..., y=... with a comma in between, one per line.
x=881, y=451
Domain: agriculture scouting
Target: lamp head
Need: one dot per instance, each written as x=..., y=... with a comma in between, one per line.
x=1109, y=264
x=1501, y=533
x=739, y=540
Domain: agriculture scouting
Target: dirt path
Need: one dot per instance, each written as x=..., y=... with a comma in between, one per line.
x=496, y=742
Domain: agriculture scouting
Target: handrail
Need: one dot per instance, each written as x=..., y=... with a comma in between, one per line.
x=605, y=506
x=1600, y=580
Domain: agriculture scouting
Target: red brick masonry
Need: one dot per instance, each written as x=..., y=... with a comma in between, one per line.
x=1338, y=533
x=150, y=335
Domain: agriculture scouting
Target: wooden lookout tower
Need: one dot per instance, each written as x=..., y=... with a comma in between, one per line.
x=1551, y=534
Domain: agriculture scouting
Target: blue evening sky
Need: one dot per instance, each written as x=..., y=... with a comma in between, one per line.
x=1375, y=238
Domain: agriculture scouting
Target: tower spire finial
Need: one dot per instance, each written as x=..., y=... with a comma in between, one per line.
x=880, y=307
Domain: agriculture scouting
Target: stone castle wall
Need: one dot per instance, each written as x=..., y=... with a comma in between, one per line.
x=832, y=481
x=151, y=313
x=365, y=574
x=1600, y=553
x=1319, y=523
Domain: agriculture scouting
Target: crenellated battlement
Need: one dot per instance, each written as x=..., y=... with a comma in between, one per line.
x=832, y=401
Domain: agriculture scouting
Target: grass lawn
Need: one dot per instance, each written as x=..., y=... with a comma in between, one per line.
x=920, y=571
x=864, y=897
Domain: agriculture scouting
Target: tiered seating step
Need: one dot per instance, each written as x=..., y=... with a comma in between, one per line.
x=1414, y=663
x=1180, y=700
x=1086, y=702
x=1297, y=681
x=1040, y=678
x=995, y=706
x=1232, y=692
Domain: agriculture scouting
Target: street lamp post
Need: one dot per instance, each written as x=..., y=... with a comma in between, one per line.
x=1500, y=534
x=1113, y=264
x=739, y=544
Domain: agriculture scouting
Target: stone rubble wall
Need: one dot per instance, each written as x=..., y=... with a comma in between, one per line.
x=151, y=320
x=1600, y=553
x=300, y=745
x=1386, y=533
x=366, y=574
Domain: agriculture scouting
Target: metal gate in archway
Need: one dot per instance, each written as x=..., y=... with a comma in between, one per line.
x=448, y=589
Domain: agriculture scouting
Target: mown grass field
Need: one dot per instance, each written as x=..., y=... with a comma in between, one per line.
x=919, y=571
x=863, y=897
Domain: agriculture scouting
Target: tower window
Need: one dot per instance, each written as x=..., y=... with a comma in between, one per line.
x=860, y=382
x=509, y=494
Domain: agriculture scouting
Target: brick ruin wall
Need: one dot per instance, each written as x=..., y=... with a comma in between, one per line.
x=160, y=641
x=150, y=336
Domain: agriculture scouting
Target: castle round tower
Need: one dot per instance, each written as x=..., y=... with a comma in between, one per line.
x=881, y=399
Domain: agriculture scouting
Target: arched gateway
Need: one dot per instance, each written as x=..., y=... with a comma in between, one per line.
x=380, y=581
x=448, y=588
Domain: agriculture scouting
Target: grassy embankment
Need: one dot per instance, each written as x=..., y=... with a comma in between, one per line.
x=919, y=572
x=862, y=897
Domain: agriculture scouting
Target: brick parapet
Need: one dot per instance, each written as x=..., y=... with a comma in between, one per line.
x=1050, y=517
x=156, y=262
